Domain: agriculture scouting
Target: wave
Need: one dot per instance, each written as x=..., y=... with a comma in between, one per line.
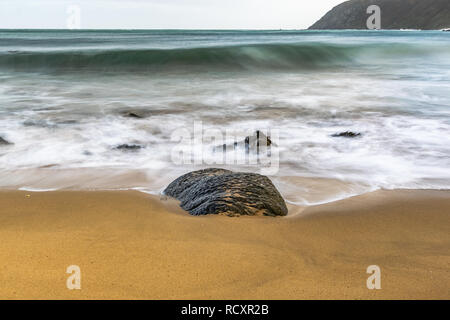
x=236, y=57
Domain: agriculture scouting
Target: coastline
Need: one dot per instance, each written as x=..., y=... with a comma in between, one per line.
x=131, y=245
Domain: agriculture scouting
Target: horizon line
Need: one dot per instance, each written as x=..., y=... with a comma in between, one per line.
x=134, y=29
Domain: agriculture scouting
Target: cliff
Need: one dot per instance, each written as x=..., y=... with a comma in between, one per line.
x=395, y=14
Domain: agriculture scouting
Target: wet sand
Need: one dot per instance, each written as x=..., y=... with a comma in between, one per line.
x=131, y=245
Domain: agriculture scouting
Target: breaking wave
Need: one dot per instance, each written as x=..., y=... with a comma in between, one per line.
x=237, y=57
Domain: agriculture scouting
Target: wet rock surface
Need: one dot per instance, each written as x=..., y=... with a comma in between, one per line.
x=220, y=191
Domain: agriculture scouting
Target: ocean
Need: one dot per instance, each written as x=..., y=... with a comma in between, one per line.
x=98, y=109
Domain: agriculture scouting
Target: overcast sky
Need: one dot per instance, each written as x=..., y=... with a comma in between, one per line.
x=164, y=14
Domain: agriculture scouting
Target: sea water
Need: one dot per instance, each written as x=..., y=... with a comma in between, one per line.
x=64, y=94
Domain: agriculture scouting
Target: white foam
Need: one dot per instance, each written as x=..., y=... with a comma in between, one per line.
x=30, y=189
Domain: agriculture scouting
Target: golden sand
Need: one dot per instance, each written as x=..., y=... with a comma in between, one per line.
x=130, y=245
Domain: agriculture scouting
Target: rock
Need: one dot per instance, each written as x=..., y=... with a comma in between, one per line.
x=47, y=166
x=346, y=134
x=219, y=191
x=146, y=113
x=4, y=142
x=133, y=115
x=395, y=14
x=136, y=113
x=129, y=147
x=257, y=142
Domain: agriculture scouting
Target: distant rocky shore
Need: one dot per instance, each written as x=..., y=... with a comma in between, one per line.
x=395, y=14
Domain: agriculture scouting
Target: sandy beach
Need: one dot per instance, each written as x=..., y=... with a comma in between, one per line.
x=131, y=245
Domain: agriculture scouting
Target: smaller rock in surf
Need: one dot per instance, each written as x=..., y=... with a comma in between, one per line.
x=133, y=115
x=347, y=134
x=136, y=114
x=256, y=143
x=4, y=142
x=129, y=147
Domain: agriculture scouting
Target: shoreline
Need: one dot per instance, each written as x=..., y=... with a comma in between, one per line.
x=296, y=190
x=131, y=245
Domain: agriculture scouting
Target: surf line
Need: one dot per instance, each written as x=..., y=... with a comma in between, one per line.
x=193, y=310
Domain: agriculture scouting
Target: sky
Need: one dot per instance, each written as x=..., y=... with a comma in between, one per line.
x=162, y=14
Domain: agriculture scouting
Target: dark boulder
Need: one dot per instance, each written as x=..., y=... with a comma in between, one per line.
x=346, y=134
x=219, y=191
x=4, y=142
